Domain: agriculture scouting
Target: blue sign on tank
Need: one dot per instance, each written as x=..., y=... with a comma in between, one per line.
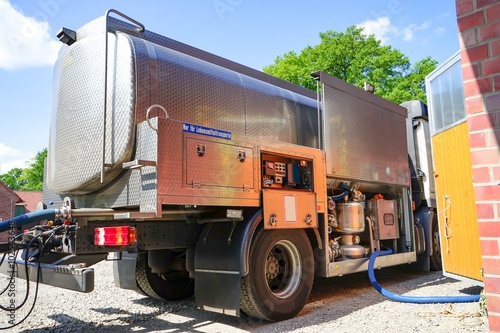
x=186, y=127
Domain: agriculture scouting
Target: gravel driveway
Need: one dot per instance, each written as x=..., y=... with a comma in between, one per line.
x=343, y=304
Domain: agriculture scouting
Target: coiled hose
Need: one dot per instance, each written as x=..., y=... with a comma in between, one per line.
x=412, y=299
x=18, y=221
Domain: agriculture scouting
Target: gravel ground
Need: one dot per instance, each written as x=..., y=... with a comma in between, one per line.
x=343, y=304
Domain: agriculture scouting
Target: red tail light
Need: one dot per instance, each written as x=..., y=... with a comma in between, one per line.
x=114, y=236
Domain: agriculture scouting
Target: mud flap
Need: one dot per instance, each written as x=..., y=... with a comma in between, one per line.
x=220, y=262
x=124, y=270
x=218, y=291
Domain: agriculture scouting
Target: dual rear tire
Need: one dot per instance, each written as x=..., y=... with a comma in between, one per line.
x=160, y=286
x=278, y=286
x=281, y=275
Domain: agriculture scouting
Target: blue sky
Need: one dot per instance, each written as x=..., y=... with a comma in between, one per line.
x=249, y=32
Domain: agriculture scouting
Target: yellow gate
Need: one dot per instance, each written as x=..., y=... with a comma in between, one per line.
x=456, y=203
x=460, y=247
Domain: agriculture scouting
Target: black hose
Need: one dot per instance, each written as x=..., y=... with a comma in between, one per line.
x=412, y=299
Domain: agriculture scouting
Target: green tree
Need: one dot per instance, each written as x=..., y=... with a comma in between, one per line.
x=13, y=178
x=355, y=58
x=34, y=173
x=28, y=179
x=412, y=86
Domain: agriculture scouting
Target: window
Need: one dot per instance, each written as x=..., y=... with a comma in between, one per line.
x=445, y=95
x=19, y=210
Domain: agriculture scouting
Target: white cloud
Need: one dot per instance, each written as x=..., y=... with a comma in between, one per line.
x=384, y=30
x=381, y=28
x=24, y=41
x=12, y=158
x=409, y=30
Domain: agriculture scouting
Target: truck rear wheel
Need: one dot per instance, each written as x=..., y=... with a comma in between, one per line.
x=435, y=259
x=281, y=275
x=157, y=286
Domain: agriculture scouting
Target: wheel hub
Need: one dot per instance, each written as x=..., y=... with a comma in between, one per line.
x=283, y=269
x=272, y=268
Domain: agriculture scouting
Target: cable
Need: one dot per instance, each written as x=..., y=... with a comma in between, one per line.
x=42, y=250
x=10, y=280
x=27, y=279
x=34, y=300
x=447, y=230
x=412, y=299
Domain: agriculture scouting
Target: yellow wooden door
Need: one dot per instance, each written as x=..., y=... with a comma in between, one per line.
x=460, y=247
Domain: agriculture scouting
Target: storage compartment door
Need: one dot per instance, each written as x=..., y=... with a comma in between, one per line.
x=284, y=209
x=218, y=164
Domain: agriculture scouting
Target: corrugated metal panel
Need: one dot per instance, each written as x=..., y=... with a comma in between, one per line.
x=365, y=135
x=460, y=245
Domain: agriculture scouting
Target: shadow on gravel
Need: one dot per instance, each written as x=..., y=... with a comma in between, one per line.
x=125, y=321
x=331, y=299
x=474, y=290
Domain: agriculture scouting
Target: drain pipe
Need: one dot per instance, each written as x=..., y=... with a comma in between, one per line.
x=412, y=299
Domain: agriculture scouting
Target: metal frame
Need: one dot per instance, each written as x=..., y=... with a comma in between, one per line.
x=433, y=75
x=66, y=271
x=106, y=22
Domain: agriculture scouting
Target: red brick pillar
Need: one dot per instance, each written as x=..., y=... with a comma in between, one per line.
x=479, y=34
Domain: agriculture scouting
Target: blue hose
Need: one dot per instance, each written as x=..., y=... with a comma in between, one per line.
x=412, y=299
x=346, y=189
x=18, y=221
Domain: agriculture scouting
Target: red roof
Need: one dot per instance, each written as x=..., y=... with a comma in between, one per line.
x=30, y=198
x=8, y=189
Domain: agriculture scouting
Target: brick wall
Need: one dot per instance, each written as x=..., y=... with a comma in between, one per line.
x=479, y=34
x=7, y=209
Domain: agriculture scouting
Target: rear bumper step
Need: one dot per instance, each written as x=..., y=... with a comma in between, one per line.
x=65, y=272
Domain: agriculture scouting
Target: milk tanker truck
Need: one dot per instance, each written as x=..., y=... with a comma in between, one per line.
x=196, y=174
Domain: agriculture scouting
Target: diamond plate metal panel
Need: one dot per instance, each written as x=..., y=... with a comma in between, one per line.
x=270, y=111
x=144, y=69
x=122, y=193
x=194, y=91
x=116, y=24
x=199, y=92
x=307, y=122
x=143, y=99
x=134, y=188
x=147, y=149
x=203, y=88
x=219, y=166
x=365, y=136
x=76, y=133
x=216, y=182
